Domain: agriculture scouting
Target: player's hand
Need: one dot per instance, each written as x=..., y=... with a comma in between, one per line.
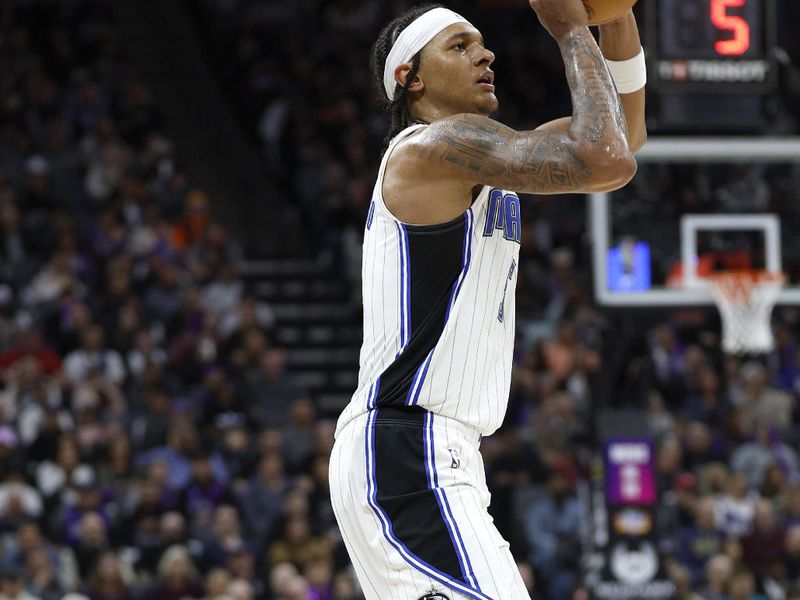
x=623, y=19
x=560, y=17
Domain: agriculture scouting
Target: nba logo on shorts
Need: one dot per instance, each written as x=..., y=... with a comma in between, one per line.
x=456, y=458
x=434, y=596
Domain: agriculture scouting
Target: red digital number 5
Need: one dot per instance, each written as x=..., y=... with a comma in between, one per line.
x=740, y=42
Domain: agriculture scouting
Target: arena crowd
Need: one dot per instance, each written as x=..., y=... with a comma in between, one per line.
x=153, y=444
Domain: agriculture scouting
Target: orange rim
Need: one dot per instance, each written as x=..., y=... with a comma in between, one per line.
x=739, y=284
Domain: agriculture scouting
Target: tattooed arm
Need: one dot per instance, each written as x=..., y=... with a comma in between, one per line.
x=457, y=154
x=592, y=155
x=619, y=40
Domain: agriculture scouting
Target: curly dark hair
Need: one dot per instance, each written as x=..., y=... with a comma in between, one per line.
x=397, y=108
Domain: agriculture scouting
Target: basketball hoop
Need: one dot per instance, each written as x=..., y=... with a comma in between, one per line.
x=745, y=300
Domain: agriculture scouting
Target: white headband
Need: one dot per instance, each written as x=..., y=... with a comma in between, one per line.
x=413, y=39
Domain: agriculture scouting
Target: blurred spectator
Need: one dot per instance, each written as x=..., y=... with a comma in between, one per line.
x=106, y=581
x=248, y=313
x=262, y=499
x=30, y=541
x=224, y=534
x=222, y=294
x=707, y=404
x=297, y=545
x=53, y=280
x=668, y=362
x=177, y=577
x=90, y=543
x=196, y=219
x=660, y=421
x=43, y=582
x=300, y=429
x=30, y=397
x=12, y=585
x=84, y=497
x=94, y=359
x=163, y=298
x=742, y=586
x=151, y=425
x=669, y=457
x=148, y=502
x=718, y=575
x=783, y=360
x=320, y=497
x=9, y=451
x=792, y=549
x=700, y=541
x=205, y=490
x=762, y=403
x=552, y=526
x=700, y=447
x=216, y=582
x=242, y=565
x=732, y=548
x=764, y=544
x=239, y=589
x=319, y=574
x=344, y=587
x=281, y=577
x=235, y=448
x=682, y=580
x=735, y=509
x=30, y=343
x=746, y=192
x=18, y=500
x=271, y=390
x=791, y=505
x=754, y=458
x=181, y=440
x=145, y=351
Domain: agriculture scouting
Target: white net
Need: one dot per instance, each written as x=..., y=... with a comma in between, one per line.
x=745, y=300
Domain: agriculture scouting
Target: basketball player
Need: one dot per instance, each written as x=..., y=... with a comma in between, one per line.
x=439, y=270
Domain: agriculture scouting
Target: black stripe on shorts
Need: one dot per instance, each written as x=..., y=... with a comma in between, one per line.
x=402, y=490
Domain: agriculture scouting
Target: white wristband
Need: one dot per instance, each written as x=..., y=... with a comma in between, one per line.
x=629, y=75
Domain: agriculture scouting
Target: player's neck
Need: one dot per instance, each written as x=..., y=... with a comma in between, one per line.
x=425, y=112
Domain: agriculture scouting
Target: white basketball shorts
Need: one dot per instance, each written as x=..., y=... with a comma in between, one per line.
x=409, y=492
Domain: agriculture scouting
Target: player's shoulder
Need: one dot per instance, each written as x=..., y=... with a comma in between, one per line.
x=464, y=128
x=450, y=142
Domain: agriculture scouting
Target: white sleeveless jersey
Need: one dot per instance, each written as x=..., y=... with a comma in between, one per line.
x=439, y=309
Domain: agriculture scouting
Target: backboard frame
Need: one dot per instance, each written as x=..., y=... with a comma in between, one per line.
x=691, y=224
x=706, y=150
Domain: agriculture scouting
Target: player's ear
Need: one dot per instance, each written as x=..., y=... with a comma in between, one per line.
x=401, y=75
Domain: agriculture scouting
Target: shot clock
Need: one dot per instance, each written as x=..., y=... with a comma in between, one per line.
x=712, y=46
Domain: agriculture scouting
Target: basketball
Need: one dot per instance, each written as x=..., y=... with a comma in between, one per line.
x=603, y=11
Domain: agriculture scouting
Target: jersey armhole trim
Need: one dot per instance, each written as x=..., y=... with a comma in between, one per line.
x=377, y=195
x=401, y=137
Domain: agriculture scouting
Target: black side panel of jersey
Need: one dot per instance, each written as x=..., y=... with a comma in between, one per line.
x=401, y=489
x=435, y=262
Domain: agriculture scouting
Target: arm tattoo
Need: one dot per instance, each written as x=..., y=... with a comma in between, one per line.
x=491, y=153
x=485, y=151
x=597, y=110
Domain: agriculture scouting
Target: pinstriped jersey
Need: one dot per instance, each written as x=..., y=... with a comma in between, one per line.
x=439, y=309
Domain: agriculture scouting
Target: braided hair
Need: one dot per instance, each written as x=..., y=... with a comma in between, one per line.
x=399, y=115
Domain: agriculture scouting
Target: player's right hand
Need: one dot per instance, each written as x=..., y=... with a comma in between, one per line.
x=560, y=17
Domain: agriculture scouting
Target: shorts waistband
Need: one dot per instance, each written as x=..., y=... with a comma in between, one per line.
x=415, y=416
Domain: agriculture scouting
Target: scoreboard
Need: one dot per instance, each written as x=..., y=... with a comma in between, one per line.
x=712, y=46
